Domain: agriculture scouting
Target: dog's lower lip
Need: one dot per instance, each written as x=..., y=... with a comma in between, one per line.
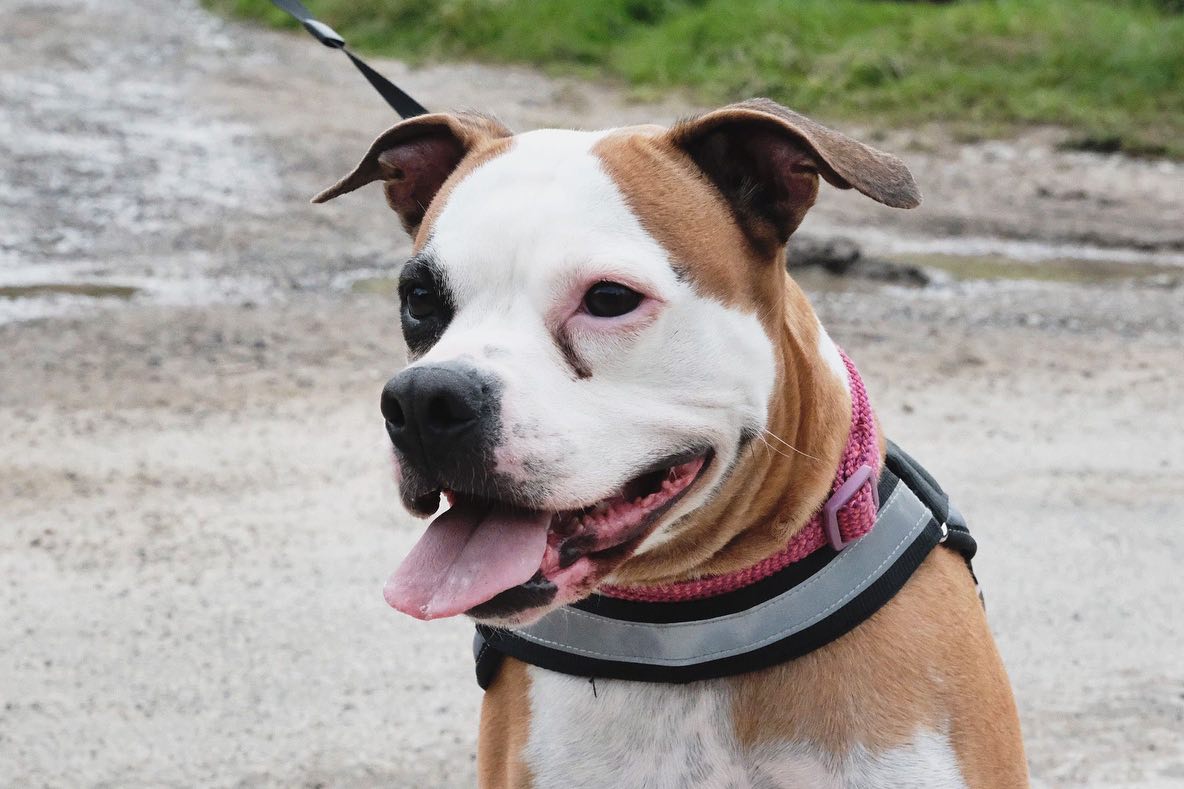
x=427, y=503
x=571, y=551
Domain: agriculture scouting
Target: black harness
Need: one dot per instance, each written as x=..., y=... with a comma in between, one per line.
x=792, y=612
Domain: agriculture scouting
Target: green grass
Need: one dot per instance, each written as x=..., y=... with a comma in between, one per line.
x=1109, y=71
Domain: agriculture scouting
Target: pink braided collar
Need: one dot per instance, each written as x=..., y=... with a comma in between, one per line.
x=849, y=514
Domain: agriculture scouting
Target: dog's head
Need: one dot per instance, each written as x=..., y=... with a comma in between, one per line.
x=591, y=319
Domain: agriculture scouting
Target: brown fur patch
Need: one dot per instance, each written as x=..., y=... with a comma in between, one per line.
x=773, y=489
x=683, y=210
x=505, y=728
x=924, y=660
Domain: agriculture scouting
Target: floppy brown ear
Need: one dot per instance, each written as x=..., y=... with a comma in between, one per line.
x=766, y=160
x=414, y=159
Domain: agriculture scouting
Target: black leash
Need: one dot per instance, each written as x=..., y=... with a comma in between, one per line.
x=403, y=104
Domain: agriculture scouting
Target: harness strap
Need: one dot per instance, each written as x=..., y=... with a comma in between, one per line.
x=395, y=96
x=913, y=474
x=795, y=611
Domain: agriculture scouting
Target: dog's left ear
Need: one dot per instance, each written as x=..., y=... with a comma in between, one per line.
x=414, y=158
x=766, y=159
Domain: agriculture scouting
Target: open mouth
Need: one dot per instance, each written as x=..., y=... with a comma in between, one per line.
x=492, y=559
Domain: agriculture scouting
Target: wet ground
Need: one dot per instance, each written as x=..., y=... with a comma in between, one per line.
x=196, y=514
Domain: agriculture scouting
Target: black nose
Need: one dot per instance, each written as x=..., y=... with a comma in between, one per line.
x=439, y=417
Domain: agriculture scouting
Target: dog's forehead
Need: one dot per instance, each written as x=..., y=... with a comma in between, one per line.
x=544, y=208
x=555, y=203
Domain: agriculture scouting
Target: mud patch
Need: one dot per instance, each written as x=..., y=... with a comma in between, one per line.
x=1078, y=272
x=94, y=290
x=376, y=286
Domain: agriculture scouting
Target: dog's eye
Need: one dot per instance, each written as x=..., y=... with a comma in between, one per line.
x=610, y=299
x=422, y=302
x=425, y=304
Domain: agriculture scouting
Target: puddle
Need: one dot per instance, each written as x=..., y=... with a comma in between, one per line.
x=1071, y=271
x=94, y=290
x=31, y=292
x=377, y=286
x=878, y=242
x=952, y=267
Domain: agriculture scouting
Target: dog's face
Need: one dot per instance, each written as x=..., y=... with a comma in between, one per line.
x=587, y=320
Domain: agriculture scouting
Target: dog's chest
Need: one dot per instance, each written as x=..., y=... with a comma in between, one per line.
x=629, y=734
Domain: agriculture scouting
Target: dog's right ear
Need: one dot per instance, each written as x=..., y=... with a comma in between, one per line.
x=414, y=159
x=766, y=161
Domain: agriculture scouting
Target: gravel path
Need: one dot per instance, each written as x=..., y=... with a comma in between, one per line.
x=196, y=511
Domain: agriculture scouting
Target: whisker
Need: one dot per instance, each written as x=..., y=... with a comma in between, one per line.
x=767, y=312
x=766, y=431
x=772, y=448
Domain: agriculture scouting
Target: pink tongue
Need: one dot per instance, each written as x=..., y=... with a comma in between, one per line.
x=466, y=556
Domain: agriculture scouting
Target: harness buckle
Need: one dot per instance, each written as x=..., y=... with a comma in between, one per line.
x=841, y=498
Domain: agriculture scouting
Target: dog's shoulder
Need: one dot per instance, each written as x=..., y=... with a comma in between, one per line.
x=912, y=688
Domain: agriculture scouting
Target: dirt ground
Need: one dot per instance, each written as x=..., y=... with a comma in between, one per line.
x=196, y=510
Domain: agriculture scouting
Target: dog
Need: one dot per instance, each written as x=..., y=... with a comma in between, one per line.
x=622, y=396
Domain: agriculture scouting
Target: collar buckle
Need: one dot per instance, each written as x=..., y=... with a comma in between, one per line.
x=841, y=498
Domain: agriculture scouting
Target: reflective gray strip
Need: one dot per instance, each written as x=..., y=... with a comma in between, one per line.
x=901, y=520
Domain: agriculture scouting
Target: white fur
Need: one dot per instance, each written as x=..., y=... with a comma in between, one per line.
x=630, y=734
x=834, y=361
x=928, y=762
x=516, y=238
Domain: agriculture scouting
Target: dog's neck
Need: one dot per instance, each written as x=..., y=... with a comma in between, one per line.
x=781, y=477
